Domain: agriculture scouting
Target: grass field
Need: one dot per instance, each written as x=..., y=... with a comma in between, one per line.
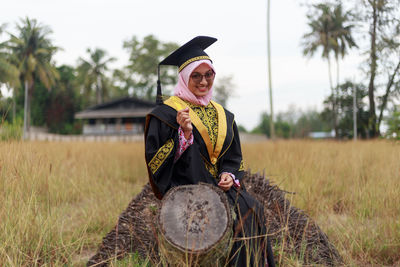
x=59, y=199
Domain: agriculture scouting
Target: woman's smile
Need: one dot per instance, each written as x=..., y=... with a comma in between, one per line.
x=200, y=88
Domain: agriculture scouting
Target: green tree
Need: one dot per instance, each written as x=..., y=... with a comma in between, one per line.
x=223, y=90
x=264, y=126
x=9, y=74
x=330, y=30
x=122, y=83
x=144, y=56
x=310, y=121
x=32, y=53
x=393, y=123
x=343, y=35
x=392, y=86
x=282, y=127
x=63, y=103
x=293, y=123
x=345, y=107
x=383, y=53
x=241, y=128
x=321, y=36
x=55, y=109
x=92, y=75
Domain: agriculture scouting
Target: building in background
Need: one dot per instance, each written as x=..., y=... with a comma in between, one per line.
x=322, y=135
x=123, y=116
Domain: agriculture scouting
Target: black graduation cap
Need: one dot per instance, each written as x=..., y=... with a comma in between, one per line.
x=184, y=55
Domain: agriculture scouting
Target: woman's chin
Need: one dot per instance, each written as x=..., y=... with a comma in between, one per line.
x=201, y=92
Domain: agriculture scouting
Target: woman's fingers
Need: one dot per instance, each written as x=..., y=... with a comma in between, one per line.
x=226, y=182
x=183, y=111
x=183, y=119
x=225, y=177
x=186, y=123
x=182, y=115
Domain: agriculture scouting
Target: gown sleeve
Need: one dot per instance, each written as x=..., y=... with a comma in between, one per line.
x=160, y=148
x=232, y=161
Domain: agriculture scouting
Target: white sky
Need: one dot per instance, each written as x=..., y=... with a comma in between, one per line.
x=240, y=27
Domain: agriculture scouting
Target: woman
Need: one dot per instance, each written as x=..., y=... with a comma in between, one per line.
x=191, y=139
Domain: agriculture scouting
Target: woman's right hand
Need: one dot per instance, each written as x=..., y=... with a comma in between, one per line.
x=183, y=119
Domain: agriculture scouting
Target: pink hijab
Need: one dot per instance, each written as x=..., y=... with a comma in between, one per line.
x=181, y=89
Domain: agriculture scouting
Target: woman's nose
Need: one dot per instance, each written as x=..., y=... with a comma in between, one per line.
x=203, y=80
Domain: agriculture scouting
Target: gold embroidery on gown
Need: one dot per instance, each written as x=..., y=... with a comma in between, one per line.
x=209, y=117
x=161, y=155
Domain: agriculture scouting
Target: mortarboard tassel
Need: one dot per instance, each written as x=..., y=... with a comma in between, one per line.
x=159, y=100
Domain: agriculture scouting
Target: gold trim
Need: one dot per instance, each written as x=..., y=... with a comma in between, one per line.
x=222, y=129
x=178, y=104
x=241, y=167
x=187, y=62
x=161, y=155
x=173, y=102
x=212, y=169
x=213, y=153
x=230, y=143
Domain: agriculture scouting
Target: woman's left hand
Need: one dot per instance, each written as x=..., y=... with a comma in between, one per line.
x=226, y=182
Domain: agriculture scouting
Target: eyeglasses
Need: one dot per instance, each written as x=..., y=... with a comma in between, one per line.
x=197, y=77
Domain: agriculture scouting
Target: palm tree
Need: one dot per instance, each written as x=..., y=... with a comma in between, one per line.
x=342, y=33
x=32, y=53
x=321, y=35
x=9, y=74
x=92, y=73
x=331, y=31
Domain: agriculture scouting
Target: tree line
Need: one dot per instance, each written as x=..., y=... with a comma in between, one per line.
x=51, y=94
x=375, y=24
x=54, y=93
x=370, y=28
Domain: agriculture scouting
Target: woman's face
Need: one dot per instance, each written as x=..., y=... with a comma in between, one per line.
x=201, y=80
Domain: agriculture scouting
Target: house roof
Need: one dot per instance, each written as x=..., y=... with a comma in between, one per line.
x=126, y=107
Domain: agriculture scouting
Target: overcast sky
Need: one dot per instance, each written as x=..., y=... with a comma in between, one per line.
x=240, y=51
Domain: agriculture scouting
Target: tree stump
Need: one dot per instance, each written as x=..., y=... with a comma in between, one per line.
x=195, y=226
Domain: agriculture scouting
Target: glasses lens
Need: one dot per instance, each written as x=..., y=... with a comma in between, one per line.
x=197, y=77
x=209, y=75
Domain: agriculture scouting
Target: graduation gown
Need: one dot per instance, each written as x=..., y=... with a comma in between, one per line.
x=215, y=149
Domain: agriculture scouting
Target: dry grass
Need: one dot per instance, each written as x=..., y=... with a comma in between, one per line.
x=60, y=199
x=351, y=189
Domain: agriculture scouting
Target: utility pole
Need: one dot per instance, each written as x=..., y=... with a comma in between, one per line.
x=354, y=112
x=271, y=121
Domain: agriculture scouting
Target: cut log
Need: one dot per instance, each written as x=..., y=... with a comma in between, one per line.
x=195, y=226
